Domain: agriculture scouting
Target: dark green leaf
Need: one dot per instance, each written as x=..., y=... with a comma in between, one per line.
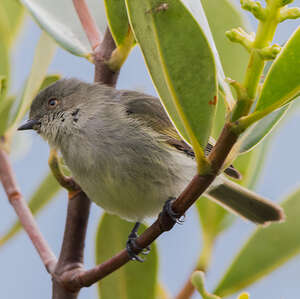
x=181, y=64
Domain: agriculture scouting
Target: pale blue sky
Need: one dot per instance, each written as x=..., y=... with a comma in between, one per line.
x=22, y=274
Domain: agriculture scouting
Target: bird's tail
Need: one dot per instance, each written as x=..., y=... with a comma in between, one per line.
x=245, y=203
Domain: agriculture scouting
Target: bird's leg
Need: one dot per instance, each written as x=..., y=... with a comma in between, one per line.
x=168, y=210
x=131, y=245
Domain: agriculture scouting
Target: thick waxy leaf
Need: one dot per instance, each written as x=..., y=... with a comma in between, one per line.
x=43, y=56
x=202, y=15
x=46, y=191
x=234, y=59
x=282, y=83
x=59, y=19
x=213, y=217
x=261, y=129
x=11, y=16
x=117, y=19
x=134, y=280
x=267, y=249
x=181, y=64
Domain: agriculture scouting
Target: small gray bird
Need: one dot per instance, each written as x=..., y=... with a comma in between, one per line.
x=124, y=152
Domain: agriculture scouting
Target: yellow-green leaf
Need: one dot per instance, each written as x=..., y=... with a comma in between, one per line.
x=267, y=249
x=117, y=19
x=46, y=191
x=161, y=292
x=134, y=280
x=11, y=16
x=214, y=218
x=49, y=80
x=5, y=109
x=181, y=64
x=234, y=59
x=44, y=53
x=282, y=83
x=257, y=132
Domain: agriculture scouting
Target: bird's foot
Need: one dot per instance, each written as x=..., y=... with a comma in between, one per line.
x=173, y=215
x=132, y=247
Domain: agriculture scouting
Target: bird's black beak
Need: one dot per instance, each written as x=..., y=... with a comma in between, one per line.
x=29, y=125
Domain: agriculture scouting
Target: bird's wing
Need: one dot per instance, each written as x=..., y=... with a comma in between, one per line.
x=150, y=111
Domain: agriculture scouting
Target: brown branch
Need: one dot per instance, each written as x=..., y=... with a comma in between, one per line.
x=16, y=199
x=71, y=256
x=102, y=55
x=187, y=291
x=83, y=278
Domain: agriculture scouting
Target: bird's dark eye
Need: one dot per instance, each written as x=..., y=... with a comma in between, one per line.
x=52, y=103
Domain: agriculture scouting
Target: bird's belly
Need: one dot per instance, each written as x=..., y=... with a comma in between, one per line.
x=131, y=200
x=133, y=189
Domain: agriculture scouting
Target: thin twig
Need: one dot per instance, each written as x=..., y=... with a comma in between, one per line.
x=16, y=199
x=70, y=261
x=88, y=23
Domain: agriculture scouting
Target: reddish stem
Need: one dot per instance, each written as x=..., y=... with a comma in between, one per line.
x=88, y=23
x=25, y=216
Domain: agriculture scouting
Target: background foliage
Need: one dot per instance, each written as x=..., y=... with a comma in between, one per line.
x=21, y=85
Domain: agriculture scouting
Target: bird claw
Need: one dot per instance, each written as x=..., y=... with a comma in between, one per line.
x=173, y=215
x=132, y=247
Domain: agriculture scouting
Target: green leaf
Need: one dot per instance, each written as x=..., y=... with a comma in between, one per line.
x=250, y=164
x=181, y=64
x=267, y=249
x=44, y=53
x=11, y=16
x=282, y=82
x=59, y=19
x=49, y=80
x=198, y=281
x=117, y=19
x=134, y=280
x=257, y=132
x=47, y=190
x=214, y=218
x=202, y=16
x=4, y=60
x=2, y=85
x=161, y=292
x=234, y=59
x=5, y=110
